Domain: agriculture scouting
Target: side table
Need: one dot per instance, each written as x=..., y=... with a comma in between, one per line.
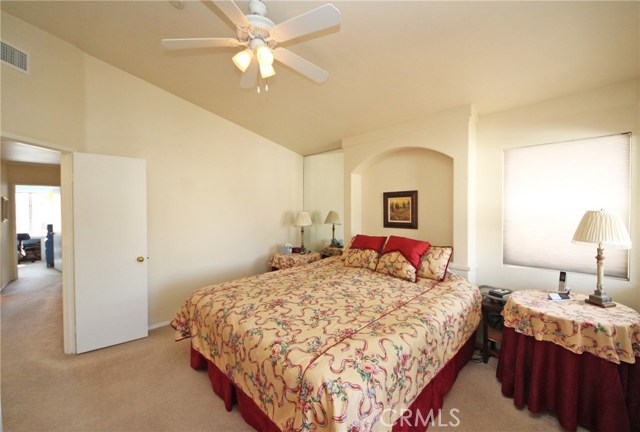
x=281, y=261
x=491, y=334
x=331, y=251
x=572, y=358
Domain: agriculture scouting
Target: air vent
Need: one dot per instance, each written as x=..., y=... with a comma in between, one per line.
x=15, y=58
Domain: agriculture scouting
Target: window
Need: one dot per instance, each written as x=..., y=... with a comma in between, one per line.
x=547, y=189
x=36, y=207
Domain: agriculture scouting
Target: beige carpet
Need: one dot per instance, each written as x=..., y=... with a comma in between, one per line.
x=147, y=385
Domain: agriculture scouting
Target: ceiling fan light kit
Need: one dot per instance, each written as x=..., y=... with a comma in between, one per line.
x=264, y=55
x=259, y=36
x=243, y=59
x=267, y=71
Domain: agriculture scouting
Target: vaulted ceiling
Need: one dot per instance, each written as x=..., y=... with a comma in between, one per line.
x=388, y=61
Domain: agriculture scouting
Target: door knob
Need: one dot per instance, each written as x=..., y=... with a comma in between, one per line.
x=140, y=259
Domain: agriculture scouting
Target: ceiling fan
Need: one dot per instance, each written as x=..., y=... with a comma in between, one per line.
x=260, y=36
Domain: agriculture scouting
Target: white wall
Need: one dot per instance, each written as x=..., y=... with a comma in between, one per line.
x=220, y=198
x=603, y=111
x=48, y=104
x=44, y=107
x=323, y=192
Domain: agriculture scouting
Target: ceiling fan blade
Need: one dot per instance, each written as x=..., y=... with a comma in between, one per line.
x=199, y=43
x=232, y=11
x=309, y=22
x=249, y=76
x=304, y=67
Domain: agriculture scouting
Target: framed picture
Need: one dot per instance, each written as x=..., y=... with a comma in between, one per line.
x=400, y=209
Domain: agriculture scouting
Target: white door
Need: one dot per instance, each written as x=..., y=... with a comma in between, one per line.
x=110, y=250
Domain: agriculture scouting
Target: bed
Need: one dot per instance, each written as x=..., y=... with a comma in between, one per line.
x=334, y=346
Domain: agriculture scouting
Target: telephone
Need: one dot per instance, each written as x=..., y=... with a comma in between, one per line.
x=499, y=294
x=562, y=287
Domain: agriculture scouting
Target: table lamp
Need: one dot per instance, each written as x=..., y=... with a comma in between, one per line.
x=603, y=229
x=303, y=219
x=333, y=218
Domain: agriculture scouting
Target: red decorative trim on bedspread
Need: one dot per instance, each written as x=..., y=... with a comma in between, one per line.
x=431, y=397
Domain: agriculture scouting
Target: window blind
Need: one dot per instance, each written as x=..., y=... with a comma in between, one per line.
x=547, y=189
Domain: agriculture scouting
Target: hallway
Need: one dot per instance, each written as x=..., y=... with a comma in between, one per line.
x=36, y=297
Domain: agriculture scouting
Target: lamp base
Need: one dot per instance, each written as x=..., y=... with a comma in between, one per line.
x=602, y=301
x=334, y=243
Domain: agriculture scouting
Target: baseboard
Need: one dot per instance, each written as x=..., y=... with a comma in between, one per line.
x=7, y=283
x=158, y=325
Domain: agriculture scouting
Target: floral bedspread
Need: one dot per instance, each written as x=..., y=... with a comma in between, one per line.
x=329, y=347
x=610, y=333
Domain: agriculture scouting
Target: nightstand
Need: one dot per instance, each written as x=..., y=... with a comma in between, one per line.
x=565, y=355
x=281, y=261
x=492, y=323
x=331, y=251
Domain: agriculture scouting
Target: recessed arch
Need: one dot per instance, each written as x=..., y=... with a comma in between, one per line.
x=375, y=158
x=410, y=168
x=450, y=134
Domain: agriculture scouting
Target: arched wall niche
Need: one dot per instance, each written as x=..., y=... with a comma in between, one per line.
x=410, y=168
x=449, y=136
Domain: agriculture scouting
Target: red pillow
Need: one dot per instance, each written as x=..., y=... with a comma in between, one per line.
x=368, y=242
x=411, y=249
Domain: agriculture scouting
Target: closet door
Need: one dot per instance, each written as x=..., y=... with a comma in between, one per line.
x=110, y=250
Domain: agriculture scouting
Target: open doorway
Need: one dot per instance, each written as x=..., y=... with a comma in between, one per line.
x=22, y=164
x=38, y=225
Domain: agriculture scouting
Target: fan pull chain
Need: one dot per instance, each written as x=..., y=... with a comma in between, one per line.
x=266, y=85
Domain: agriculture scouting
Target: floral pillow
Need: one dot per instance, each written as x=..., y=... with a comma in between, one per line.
x=364, y=251
x=435, y=262
x=401, y=257
x=346, y=249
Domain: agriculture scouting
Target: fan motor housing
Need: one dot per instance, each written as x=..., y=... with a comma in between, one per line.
x=257, y=7
x=259, y=29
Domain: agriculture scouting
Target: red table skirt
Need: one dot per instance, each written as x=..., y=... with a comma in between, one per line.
x=581, y=389
x=431, y=398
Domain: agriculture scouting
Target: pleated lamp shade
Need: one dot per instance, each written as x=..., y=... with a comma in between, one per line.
x=302, y=219
x=332, y=218
x=600, y=227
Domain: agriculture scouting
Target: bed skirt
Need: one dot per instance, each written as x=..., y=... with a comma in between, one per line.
x=429, y=400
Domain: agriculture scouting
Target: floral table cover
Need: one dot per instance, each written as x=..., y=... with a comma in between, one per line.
x=283, y=261
x=330, y=347
x=610, y=333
